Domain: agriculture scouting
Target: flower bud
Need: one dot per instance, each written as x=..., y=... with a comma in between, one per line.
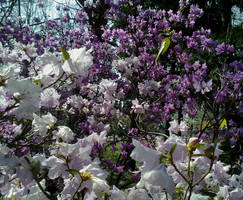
x=191, y=145
x=209, y=151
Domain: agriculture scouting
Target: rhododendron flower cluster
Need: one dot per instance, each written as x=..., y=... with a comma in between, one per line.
x=136, y=113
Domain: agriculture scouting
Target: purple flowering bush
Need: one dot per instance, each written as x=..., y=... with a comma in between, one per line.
x=147, y=110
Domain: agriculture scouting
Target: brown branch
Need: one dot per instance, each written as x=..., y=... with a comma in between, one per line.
x=54, y=81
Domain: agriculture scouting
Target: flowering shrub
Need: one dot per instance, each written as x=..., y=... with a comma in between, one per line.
x=140, y=112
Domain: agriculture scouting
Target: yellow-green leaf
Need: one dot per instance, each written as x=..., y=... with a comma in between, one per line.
x=223, y=123
x=163, y=47
x=61, y=156
x=172, y=149
x=65, y=54
x=37, y=82
x=73, y=172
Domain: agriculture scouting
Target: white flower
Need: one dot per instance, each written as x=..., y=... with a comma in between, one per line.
x=19, y=53
x=236, y=194
x=99, y=186
x=149, y=157
x=49, y=69
x=116, y=194
x=28, y=95
x=138, y=108
x=220, y=172
x=4, y=102
x=152, y=172
x=79, y=62
x=223, y=191
x=147, y=87
x=50, y=98
x=96, y=138
x=202, y=86
x=159, y=177
x=108, y=88
x=93, y=179
x=42, y=124
x=65, y=133
x=175, y=127
x=138, y=194
x=58, y=167
x=180, y=153
x=183, y=128
x=7, y=159
x=26, y=51
x=236, y=180
x=35, y=193
x=9, y=71
x=76, y=101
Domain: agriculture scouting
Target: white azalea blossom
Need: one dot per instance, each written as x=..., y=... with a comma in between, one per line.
x=79, y=62
x=93, y=179
x=4, y=101
x=180, y=153
x=68, y=127
x=138, y=194
x=9, y=71
x=116, y=194
x=28, y=96
x=50, y=98
x=152, y=172
x=42, y=124
x=175, y=127
x=159, y=177
x=64, y=133
x=149, y=157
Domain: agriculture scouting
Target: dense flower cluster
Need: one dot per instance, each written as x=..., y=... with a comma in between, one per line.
x=135, y=113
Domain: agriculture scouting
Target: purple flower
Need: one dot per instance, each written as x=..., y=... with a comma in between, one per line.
x=220, y=49
x=136, y=176
x=119, y=169
x=124, y=155
x=194, y=13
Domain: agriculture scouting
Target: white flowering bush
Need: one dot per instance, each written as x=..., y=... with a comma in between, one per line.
x=75, y=126
x=50, y=152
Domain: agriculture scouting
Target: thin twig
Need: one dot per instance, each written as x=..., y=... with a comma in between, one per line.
x=54, y=81
x=205, y=174
x=177, y=170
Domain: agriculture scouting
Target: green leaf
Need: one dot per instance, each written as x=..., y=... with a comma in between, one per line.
x=65, y=54
x=37, y=82
x=198, y=145
x=73, y=172
x=197, y=155
x=168, y=158
x=61, y=156
x=172, y=149
x=163, y=48
x=36, y=166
